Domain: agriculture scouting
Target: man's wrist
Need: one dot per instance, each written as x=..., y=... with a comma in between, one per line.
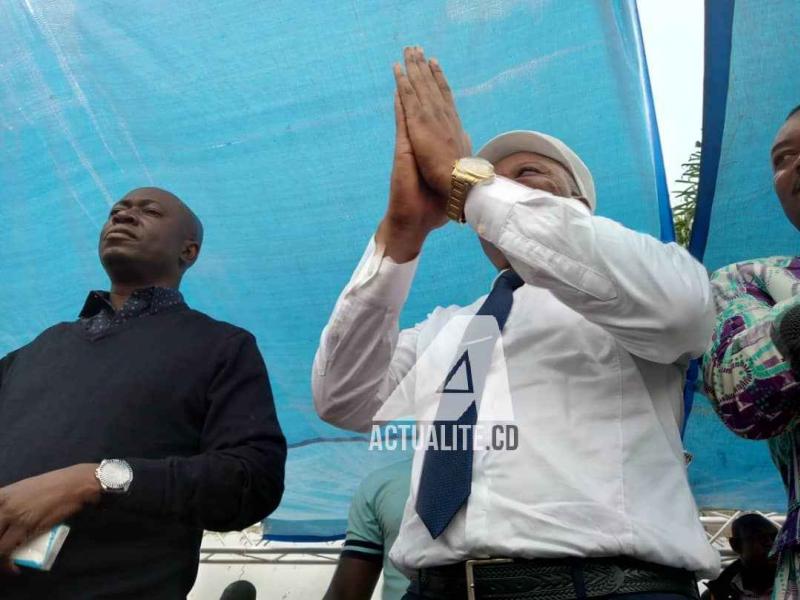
x=467, y=173
x=444, y=179
x=402, y=241
x=87, y=487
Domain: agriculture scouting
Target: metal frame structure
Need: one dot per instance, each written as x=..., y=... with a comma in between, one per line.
x=248, y=547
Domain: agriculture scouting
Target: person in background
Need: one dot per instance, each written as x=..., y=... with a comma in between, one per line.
x=372, y=527
x=239, y=590
x=141, y=424
x=597, y=323
x=752, y=370
x=749, y=577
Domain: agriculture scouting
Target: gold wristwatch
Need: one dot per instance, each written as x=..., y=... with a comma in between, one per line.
x=467, y=173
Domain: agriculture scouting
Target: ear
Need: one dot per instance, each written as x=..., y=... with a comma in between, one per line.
x=189, y=254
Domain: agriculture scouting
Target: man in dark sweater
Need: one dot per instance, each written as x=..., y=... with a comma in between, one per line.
x=140, y=424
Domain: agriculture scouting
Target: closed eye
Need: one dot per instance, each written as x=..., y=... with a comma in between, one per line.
x=531, y=170
x=781, y=158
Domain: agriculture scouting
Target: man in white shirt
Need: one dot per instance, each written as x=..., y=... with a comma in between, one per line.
x=594, y=500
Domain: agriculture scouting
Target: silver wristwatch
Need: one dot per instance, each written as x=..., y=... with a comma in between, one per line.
x=115, y=476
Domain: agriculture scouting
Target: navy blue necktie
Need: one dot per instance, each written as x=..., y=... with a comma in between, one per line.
x=446, y=476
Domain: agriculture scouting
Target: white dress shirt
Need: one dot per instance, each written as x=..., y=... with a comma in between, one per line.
x=596, y=346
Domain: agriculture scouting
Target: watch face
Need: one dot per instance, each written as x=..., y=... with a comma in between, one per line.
x=115, y=474
x=477, y=166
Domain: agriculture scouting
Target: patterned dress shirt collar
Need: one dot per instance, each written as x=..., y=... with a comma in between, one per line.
x=98, y=315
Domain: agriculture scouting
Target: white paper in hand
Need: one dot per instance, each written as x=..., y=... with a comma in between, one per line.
x=40, y=552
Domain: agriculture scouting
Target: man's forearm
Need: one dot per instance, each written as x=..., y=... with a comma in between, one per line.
x=652, y=297
x=402, y=242
x=749, y=384
x=747, y=377
x=749, y=406
x=361, y=349
x=219, y=491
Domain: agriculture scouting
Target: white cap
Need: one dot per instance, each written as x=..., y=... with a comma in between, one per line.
x=510, y=142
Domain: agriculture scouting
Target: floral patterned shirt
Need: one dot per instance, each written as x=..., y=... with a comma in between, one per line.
x=751, y=385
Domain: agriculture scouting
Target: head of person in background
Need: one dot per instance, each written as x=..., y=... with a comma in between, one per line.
x=752, y=575
x=239, y=590
x=785, y=162
x=150, y=238
x=541, y=162
x=752, y=537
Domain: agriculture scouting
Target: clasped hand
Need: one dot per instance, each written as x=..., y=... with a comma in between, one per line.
x=429, y=139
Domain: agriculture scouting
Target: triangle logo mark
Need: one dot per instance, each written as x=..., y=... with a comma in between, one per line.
x=459, y=379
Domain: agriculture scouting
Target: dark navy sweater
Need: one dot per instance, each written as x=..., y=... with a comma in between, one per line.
x=186, y=401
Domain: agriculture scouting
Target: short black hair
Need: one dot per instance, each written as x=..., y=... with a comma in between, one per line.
x=239, y=590
x=751, y=523
x=793, y=112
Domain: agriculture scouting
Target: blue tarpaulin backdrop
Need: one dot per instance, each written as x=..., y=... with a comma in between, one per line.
x=752, y=81
x=273, y=120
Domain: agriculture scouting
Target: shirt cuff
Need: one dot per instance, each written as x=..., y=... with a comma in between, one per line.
x=488, y=205
x=380, y=280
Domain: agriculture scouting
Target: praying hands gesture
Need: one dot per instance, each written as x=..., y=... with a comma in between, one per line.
x=429, y=139
x=434, y=127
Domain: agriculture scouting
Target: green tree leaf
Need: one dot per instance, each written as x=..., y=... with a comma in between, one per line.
x=686, y=197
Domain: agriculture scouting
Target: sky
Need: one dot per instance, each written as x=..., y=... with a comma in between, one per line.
x=673, y=40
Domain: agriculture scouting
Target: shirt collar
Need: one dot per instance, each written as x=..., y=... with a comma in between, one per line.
x=150, y=299
x=498, y=276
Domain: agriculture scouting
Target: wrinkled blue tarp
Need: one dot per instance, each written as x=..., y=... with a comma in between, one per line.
x=273, y=120
x=752, y=81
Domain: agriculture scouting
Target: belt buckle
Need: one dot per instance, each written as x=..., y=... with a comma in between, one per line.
x=469, y=567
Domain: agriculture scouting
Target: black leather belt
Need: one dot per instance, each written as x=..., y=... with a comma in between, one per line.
x=562, y=579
